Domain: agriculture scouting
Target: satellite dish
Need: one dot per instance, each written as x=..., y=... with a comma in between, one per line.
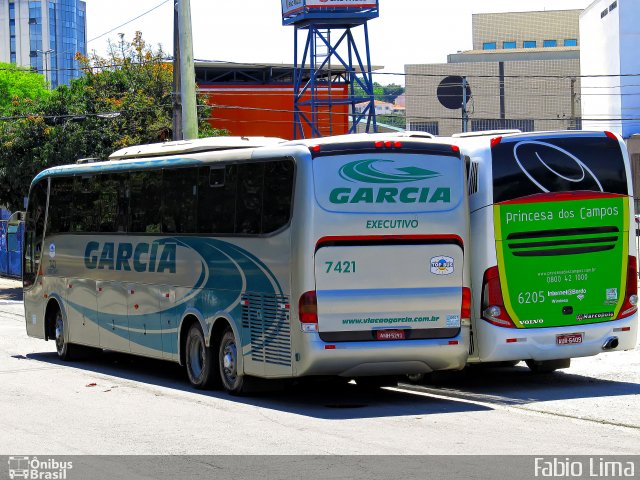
x=450, y=93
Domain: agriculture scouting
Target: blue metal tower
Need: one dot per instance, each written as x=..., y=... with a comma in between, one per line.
x=325, y=60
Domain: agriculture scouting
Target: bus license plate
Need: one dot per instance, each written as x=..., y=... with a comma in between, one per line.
x=569, y=339
x=390, y=334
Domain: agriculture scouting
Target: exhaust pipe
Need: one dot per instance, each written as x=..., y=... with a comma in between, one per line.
x=610, y=343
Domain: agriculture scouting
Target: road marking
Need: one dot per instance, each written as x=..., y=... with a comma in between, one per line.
x=493, y=401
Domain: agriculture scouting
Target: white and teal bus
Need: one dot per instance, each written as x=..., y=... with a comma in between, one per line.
x=242, y=258
x=553, y=265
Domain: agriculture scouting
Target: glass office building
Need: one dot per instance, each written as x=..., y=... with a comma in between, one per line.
x=44, y=35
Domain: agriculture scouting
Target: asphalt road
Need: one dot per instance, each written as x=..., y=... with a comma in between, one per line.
x=119, y=404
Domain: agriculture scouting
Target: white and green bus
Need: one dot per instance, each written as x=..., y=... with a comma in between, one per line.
x=242, y=258
x=553, y=265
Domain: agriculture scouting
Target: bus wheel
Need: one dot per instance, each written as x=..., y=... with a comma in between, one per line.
x=547, y=366
x=199, y=359
x=63, y=348
x=228, y=360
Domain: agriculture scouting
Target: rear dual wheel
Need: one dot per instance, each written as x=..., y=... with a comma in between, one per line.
x=199, y=359
x=216, y=365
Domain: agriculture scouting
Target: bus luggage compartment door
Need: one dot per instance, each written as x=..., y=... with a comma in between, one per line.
x=389, y=292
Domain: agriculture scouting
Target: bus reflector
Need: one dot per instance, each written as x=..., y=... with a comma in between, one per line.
x=466, y=303
x=453, y=342
x=493, y=309
x=630, y=305
x=308, y=311
x=512, y=340
x=329, y=347
x=495, y=141
x=622, y=329
x=315, y=148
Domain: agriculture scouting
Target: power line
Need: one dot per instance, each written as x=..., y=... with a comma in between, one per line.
x=129, y=21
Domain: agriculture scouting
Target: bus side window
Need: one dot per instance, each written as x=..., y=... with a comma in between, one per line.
x=145, y=193
x=60, y=205
x=278, y=193
x=217, y=203
x=84, y=215
x=113, y=203
x=179, y=200
x=249, y=199
x=34, y=230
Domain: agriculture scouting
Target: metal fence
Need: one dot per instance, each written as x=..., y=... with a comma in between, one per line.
x=11, y=240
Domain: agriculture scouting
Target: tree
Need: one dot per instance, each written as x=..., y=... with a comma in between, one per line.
x=18, y=85
x=124, y=99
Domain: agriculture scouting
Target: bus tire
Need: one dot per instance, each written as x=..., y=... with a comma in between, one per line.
x=63, y=348
x=199, y=360
x=228, y=362
x=547, y=366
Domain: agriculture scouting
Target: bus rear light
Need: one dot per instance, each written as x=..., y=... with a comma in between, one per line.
x=308, y=311
x=495, y=141
x=493, y=310
x=455, y=148
x=466, y=303
x=630, y=305
x=611, y=135
x=387, y=144
x=315, y=148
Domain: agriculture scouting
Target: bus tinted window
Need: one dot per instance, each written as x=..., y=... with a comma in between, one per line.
x=278, y=190
x=249, y=200
x=180, y=190
x=85, y=209
x=34, y=229
x=113, y=203
x=60, y=205
x=145, y=198
x=523, y=167
x=217, y=199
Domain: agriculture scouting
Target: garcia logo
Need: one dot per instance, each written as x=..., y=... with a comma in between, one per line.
x=363, y=171
x=442, y=265
x=145, y=257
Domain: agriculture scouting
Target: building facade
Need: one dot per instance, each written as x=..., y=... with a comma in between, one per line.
x=523, y=72
x=610, y=65
x=44, y=35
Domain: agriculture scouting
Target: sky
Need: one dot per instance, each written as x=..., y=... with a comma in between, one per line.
x=251, y=31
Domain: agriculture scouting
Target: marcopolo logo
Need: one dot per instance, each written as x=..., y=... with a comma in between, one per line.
x=366, y=171
x=442, y=265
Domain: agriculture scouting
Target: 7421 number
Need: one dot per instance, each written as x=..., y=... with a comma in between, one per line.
x=341, y=267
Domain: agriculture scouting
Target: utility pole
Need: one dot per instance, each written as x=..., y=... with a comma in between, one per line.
x=465, y=115
x=573, y=125
x=187, y=73
x=177, y=102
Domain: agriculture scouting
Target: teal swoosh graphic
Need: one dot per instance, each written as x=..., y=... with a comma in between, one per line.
x=365, y=171
x=232, y=271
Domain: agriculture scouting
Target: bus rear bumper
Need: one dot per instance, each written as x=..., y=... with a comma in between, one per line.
x=496, y=344
x=354, y=359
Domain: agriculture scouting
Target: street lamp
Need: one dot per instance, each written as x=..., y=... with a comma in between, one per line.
x=47, y=74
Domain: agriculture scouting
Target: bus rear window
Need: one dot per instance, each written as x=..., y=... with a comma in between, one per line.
x=531, y=165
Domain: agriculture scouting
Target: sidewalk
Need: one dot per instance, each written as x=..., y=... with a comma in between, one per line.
x=10, y=289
